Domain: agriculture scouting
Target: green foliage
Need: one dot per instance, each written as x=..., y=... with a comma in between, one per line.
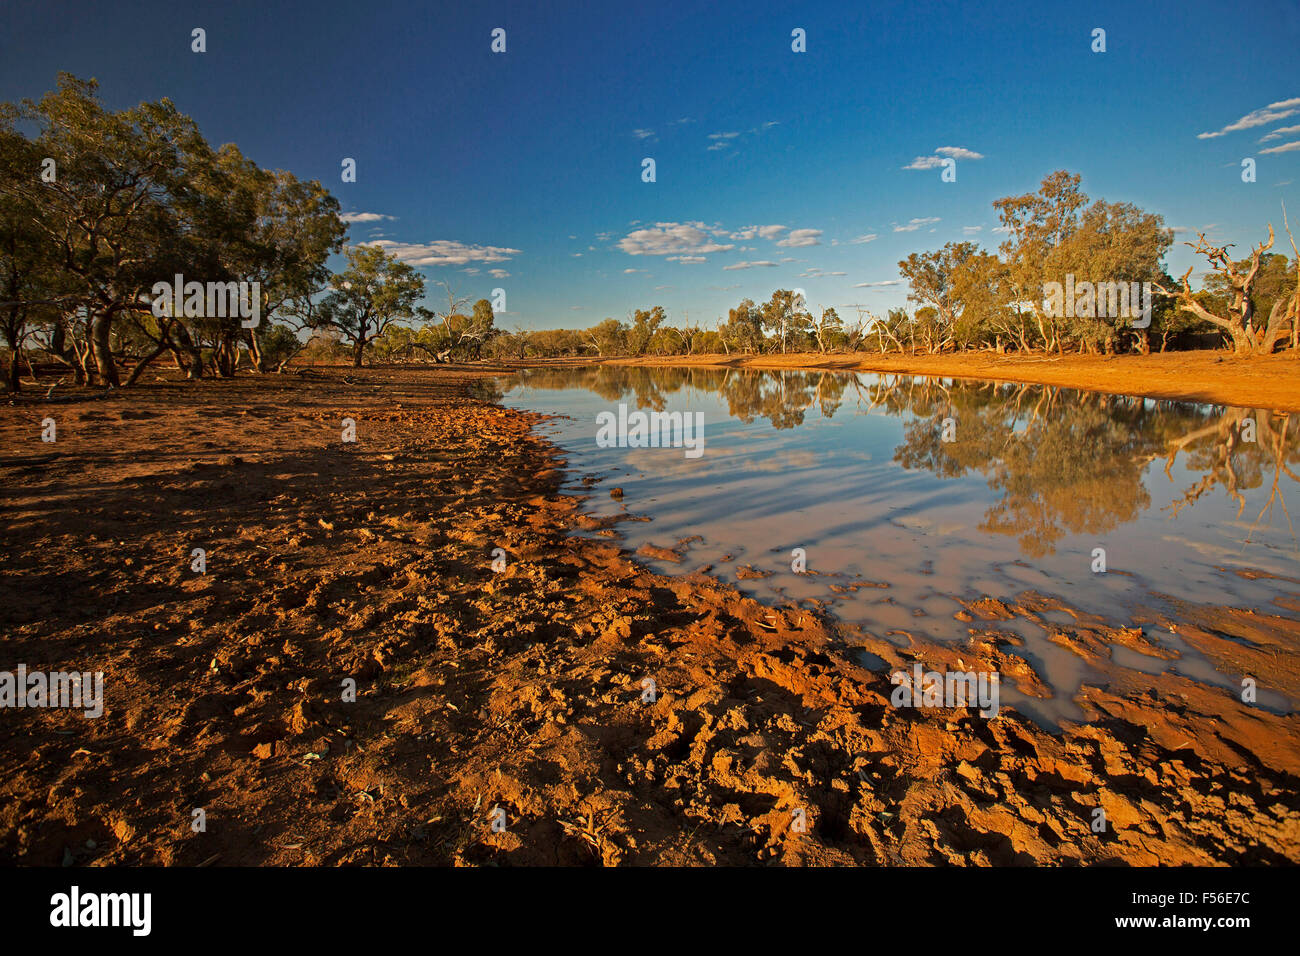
x=135, y=197
x=373, y=292
x=140, y=196
x=277, y=343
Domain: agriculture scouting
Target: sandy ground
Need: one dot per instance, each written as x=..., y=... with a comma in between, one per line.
x=523, y=690
x=1206, y=376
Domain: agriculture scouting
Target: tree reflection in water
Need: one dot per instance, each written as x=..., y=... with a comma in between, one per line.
x=1063, y=461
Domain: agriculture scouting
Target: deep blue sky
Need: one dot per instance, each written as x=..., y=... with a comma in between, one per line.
x=529, y=162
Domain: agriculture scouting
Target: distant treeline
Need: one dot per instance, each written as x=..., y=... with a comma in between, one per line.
x=1090, y=254
x=101, y=211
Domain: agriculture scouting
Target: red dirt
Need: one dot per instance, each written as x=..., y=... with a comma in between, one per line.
x=523, y=689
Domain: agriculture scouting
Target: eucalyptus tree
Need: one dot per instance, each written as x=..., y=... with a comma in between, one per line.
x=274, y=230
x=110, y=210
x=127, y=199
x=608, y=337
x=828, y=329
x=785, y=317
x=954, y=282
x=743, y=329
x=1055, y=233
x=1038, y=225
x=374, y=291
x=642, y=325
x=28, y=280
x=1253, y=301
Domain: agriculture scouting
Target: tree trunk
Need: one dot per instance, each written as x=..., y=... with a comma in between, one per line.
x=255, y=352
x=356, y=353
x=101, y=327
x=80, y=372
x=194, y=369
x=226, y=358
x=1241, y=342
x=145, y=362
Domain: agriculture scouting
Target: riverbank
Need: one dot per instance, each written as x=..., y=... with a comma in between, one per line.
x=1204, y=376
x=527, y=687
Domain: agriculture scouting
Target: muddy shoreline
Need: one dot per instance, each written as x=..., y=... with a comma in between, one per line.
x=525, y=689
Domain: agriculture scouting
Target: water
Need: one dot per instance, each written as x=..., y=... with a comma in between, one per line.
x=896, y=522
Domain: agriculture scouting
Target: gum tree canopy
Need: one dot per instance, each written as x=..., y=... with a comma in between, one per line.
x=115, y=201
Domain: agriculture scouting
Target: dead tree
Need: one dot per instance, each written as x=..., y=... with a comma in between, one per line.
x=1248, y=337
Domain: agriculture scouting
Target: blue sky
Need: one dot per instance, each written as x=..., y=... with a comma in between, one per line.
x=522, y=170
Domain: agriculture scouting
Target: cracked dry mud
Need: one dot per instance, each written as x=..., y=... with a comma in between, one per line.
x=523, y=689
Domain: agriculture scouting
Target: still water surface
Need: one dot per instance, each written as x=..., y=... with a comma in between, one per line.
x=896, y=522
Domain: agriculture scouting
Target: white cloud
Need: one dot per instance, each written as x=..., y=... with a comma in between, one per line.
x=364, y=217
x=499, y=273
x=1260, y=117
x=948, y=152
x=801, y=237
x=688, y=260
x=877, y=285
x=762, y=232
x=643, y=133
x=723, y=140
x=443, y=252
x=672, y=238
x=915, y=224
x=764, y=263
x=1284, y=148
x=925, y=162
x=970, y=230
x=1279, y=133
x=869, y=237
